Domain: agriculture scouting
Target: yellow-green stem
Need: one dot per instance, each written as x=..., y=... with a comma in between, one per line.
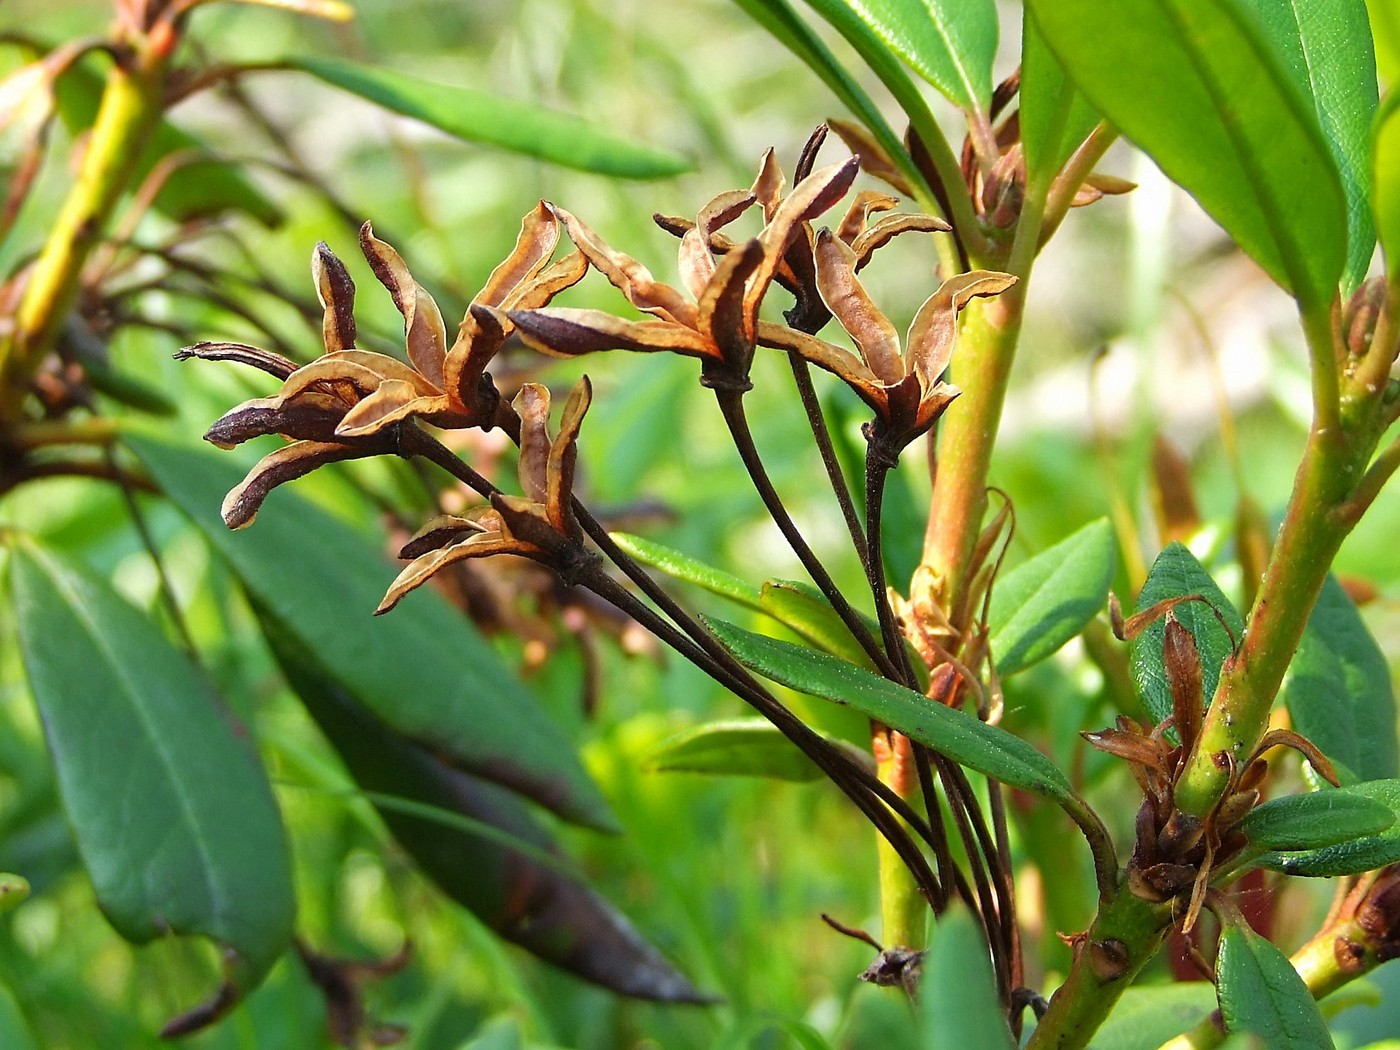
x=903, y=908
x=130, y=109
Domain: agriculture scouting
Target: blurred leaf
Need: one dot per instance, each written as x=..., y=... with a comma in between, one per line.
x=14, y=1030
x=539, y=906
x=804, y=609
x=1224, y=119
x=1146, y=1017
x=950, y=43
x=1040, y=605
x=958, y=994
x=1338, y=689
x=1353, y=856
x=1387, y=191
x=1326, y=46
x=1314, y=819
x=1261, y=993
x=491, y=120
x=748, y=747
x=423, y=668
x=205, y=186
x=1055, y=117
x=156, y=781
x=14, y=891
x=689, y=570
x=1176, y=573
x=1385, y=30
x=988, y=749
x=778, y=17
x=499, y=1033
x=333, y=10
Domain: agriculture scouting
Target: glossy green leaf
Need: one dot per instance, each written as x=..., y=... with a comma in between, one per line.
x=1338, y=689
x=988, y=749
x=1314, y=819
x=1387, y=185
x=1355, y=855
x=778, y=17
x=683, y=567
x=1054, y=115
x=1146, y=1017
x=1261, y=993
x=1326, y=46
x=540, y=906
x=478, y=116
x=1175, y=573
x=1224, y=118
x=1040, y=605
x=423, y=668
x=958, y=996
x=14, y=1029
x=747, y=747
x=805, y=610
x=204, y=187
x=950, y=43
x=172, y=813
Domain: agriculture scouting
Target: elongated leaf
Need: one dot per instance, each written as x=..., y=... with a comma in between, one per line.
x=958, y=994
x=1043, y=603
x=1385, y=30
x=1326, y=46
x=423, y=668
x=689, y=570
x=1055, y=117
x=1146, y=1017
x=203, y=187
x=1314, y=819
x=950, y=44
x=1224, y=118
x=778, y=17
x=805, y=610
x=1174, y=574
x=746, y=747
x=967, y=741
x=1387, y=189
x=1355, y=855
x=14, y=1030
x=1338, y=689
x=1262, y=994
x=478, y=116
x=539, y=906
x=173, y=816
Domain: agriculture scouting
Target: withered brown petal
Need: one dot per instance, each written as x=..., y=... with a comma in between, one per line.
x=393, y=402
x=1301, y=744
x=446, y=529
x=1181, y=663
x=336, y=291
x=541, y=289
x=312, y=416
x=563, y=458
x=241, y=353
x=1133, y=747
x=891, y=226
x=874, y=335
x=421, y=569
x=857, y=217
x=808, y=199
x=539, y=236
x=567, y=331
x=362, y=369
x=1109, y=184
x=768, y=186
x=292, y=461
x=837, y=360
x=874, y=160
x=625, y=273
x=425, y=334
x=720, y=315
x=934, y=329
x=532, y=405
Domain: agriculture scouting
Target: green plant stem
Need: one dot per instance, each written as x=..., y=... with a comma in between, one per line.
x=1126, y=934
x=130, y=109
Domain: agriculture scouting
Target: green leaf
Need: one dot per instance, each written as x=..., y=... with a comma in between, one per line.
x=1387, y=171
x=1326, y=46
x=1176, y=573
x=778, y=17
x=173, y=815
x=1314, y=819
x=206, y=186
x=1055, y=117
x=1224, y=118
x=1040, y=605
x=1385, y=30
x=988, y=749
x=1355, y=855
x=14, y=891
x=804, y=609
x=1262, y=994
x=517, y=892
x=958, y=994
x=689, y=570
x=491, y=120
x=423, y=668
x=14, y=1029
x=1146, y=1017
x=950, y=43
x=747, y=747
x=1338, y=689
